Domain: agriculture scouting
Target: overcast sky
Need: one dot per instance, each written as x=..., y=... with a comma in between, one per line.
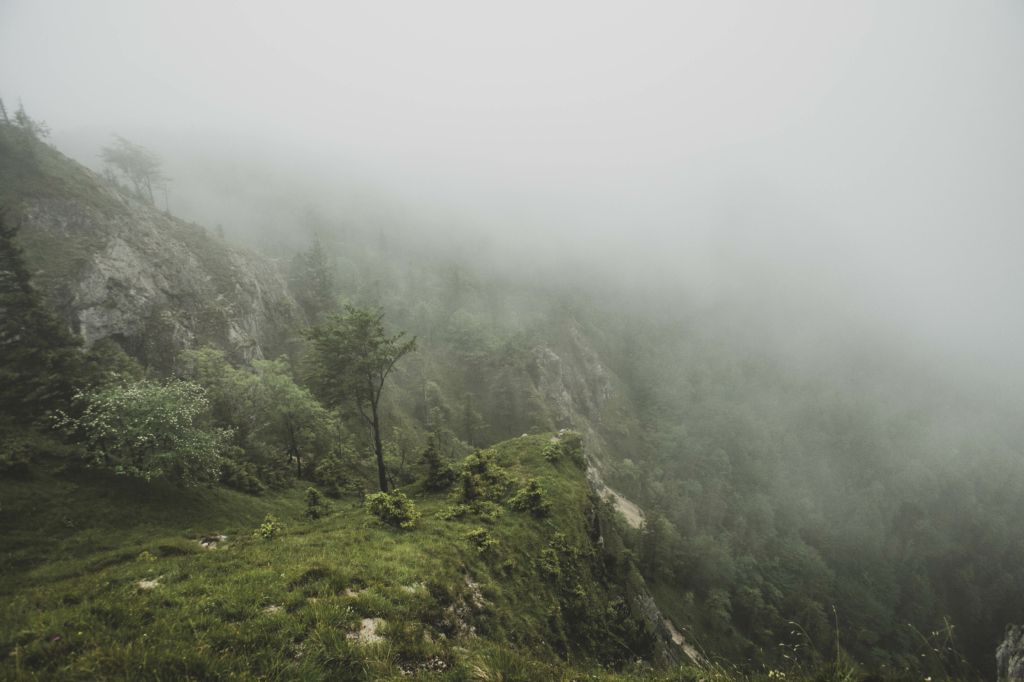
x=871, y=150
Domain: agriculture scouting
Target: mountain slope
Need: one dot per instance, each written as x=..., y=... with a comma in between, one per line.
x=118, y=268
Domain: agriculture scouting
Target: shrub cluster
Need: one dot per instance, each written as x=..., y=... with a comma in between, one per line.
x=572, y=448
x=569, y=446
x=481, y=539
x=481, y=480
x=317, y=506
x=241, y=476
x=269, y=529
x=531, y=500
x=452, y=513
x=393, y=508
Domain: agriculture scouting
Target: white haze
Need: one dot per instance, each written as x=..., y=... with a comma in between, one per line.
x=847, y=168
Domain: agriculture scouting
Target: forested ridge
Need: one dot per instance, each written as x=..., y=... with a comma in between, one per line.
x=860, y=506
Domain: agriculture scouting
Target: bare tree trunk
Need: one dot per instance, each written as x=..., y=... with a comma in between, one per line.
x=378, y=448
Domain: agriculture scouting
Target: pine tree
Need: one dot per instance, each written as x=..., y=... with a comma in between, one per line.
x=440, y=472
x=319, y=278
x=40, y=360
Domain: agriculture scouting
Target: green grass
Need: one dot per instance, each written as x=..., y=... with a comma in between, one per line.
x=75, y=553
x=76, y=548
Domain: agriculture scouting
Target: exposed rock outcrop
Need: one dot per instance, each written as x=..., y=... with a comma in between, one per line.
x=1010, y=656
x=671, y=646
x=576, y=387
x=118, y=268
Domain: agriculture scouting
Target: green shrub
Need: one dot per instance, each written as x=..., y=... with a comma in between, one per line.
x=317, y=506
x=269, y=530
x=147, y=429
x=552, y=452
x=549, y=564
x=530, y=499
x=481, y=480
x=331, y=476
x=393, y=508
x=481, y=539
x=16, y=454
x=23, y=448
x=572, y=447
x=242, y=476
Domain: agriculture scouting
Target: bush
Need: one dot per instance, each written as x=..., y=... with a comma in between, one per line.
x=317, y=506
x=269, y=530
x=531, y=500
x=17, y=451
x=569, y=446
x=549, y=564
x=481, y=480
x=552, y=452
x=481, y=539
x=393, y=508
x=330, y=475
x=147, y=429
x=241, y=476
x=572, y=447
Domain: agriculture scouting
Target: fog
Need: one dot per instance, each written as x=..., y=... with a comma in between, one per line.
x=830, y=171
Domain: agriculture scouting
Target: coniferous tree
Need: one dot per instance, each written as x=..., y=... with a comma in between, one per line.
x=321, y=279
x=39, y=357
x=440, y=472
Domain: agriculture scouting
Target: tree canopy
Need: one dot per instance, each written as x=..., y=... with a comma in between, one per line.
x=349, y=363
x=147, y=429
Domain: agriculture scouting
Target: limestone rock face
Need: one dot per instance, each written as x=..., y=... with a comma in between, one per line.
x=118, y=268
x=1010, y=656
x=574, y=384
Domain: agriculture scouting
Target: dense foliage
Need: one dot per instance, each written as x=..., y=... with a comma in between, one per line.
x=146, y=429
x=349, y=362
x=393, y=508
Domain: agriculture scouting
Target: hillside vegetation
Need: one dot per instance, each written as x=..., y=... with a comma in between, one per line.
x=108, y=579
x=830, y=523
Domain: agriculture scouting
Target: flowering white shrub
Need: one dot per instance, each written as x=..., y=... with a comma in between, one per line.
x=146, y=429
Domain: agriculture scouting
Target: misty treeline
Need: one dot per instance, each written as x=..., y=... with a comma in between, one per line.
x=781, y=507
x=854, y=499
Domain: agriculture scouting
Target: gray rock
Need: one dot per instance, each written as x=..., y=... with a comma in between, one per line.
x=118, y=268
x=1010, y=656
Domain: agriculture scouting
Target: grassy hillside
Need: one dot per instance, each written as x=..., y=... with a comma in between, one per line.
x=345, y=597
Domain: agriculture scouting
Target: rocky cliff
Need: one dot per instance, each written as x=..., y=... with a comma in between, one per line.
x=1010, y=656
x=577, y=389
x=118, y=268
